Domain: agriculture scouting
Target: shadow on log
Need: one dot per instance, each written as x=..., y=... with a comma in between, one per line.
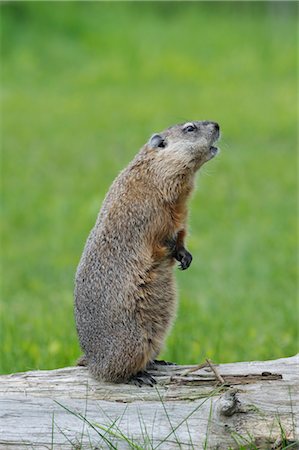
x=229, y=406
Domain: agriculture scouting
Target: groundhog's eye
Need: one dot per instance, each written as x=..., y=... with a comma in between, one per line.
x=188, y=128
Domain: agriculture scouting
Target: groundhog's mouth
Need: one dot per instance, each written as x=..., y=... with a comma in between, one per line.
x=213, y=151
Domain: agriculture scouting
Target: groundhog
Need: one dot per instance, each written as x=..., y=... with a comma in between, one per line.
x=125, y=298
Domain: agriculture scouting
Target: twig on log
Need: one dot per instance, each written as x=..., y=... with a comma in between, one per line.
x=214, y=369
x=193, y=369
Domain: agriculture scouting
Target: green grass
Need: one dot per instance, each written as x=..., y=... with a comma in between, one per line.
x=83, y=86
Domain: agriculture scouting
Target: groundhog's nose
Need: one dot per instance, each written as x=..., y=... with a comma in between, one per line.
x=211, y=125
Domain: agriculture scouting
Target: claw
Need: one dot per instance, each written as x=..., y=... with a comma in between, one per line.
x=161, y=362
x=183, y=256
x=185, y=261
x=142, y=378
x=155, y=364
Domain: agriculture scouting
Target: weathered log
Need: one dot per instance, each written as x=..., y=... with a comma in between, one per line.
x=258, y=404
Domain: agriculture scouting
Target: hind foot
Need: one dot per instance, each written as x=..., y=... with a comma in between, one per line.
x=161, y=362
x=142, y=379
x=154, y=365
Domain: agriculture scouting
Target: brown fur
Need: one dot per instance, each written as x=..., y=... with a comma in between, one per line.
x=125, y=299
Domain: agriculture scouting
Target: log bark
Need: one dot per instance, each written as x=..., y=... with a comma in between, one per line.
x=257, y=404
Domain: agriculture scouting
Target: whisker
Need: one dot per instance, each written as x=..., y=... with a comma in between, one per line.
x=224, y=144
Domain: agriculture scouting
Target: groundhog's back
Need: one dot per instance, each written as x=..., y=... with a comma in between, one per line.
x=124, y=282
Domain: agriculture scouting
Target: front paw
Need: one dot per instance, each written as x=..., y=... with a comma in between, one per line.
x=185, y=258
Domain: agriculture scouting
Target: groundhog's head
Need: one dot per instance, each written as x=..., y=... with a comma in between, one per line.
x=184, y=147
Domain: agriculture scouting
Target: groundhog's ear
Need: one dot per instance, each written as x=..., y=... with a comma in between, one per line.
x=157, y=141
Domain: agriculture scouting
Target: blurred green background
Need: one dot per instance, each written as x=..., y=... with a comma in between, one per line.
x=83, y=87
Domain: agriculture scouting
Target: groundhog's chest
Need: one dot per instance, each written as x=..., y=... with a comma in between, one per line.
x=177, y=216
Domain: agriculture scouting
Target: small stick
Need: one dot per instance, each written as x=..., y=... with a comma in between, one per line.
x=214, y=369
x=193, y=369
